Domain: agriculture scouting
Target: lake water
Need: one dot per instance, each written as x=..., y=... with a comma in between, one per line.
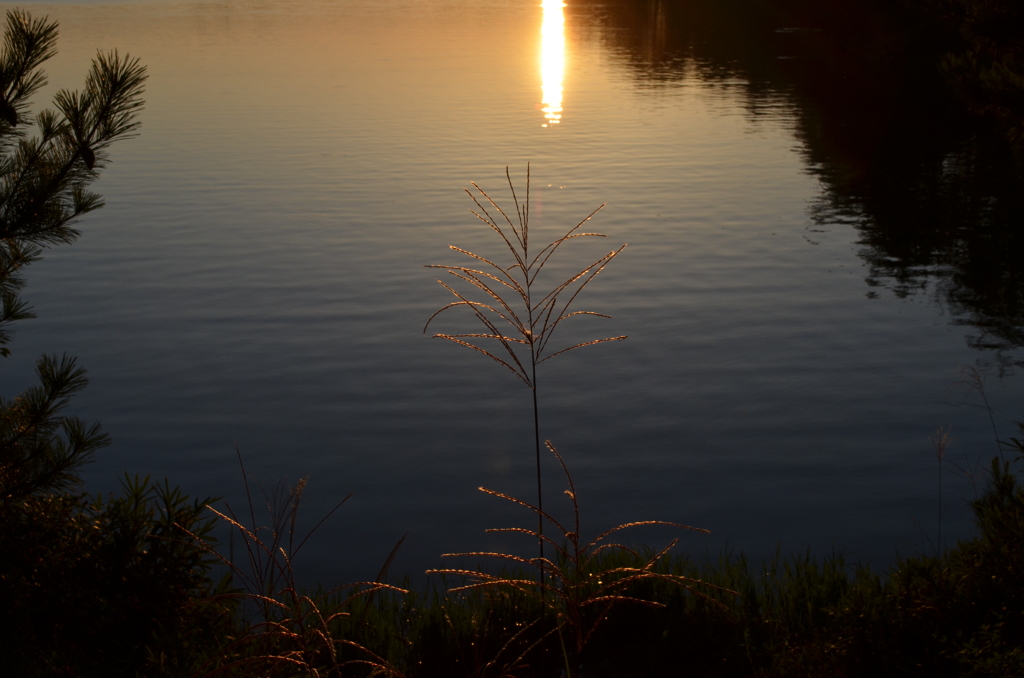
x=810, y=263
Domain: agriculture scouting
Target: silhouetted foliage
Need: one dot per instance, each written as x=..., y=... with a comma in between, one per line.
x=985, y=61
x=44, y=176
x=108, y=586
x=40, y=448
x=43, y=189
x=88, y=585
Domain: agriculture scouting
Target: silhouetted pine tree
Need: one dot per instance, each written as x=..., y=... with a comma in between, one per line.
x=46, y=165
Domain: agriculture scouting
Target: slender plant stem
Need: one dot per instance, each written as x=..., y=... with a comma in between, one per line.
x=991, y=419
x=527, y=278
x=938, y=540
x=940, y=440
x=540, y=494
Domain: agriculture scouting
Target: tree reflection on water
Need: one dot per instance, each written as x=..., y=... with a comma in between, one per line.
x=936, y=197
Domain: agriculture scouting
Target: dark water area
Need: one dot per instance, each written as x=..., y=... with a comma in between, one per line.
x=935, y=193
x=821, y=236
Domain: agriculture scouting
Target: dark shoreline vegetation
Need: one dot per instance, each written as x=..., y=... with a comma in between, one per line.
x=130, y=584
x=111, y=586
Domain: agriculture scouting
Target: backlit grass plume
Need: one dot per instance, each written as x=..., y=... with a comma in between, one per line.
x=587, y=578
x=293, y=633
x=518, y=321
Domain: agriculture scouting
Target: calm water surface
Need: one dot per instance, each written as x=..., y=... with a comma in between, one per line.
x=256, y=282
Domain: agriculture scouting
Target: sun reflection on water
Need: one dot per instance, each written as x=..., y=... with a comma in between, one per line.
x=552, y=60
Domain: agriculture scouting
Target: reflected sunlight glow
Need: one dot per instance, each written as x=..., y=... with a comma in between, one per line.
x=552, y=60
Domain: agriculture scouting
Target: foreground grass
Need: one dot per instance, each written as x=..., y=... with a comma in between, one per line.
x=102, y=588
x=959, y=614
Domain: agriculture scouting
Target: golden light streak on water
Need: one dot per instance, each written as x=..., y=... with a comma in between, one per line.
x=552, y=60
